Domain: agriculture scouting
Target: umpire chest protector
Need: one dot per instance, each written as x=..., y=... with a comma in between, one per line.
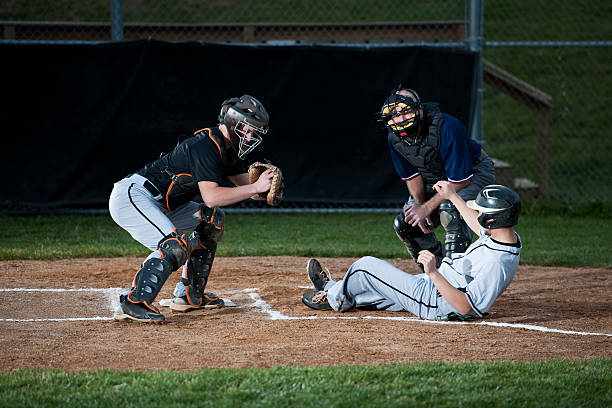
x=424, y=155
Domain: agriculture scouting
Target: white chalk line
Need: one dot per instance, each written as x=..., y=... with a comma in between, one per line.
x=63, y=319
x=276, y=315
x=60, y=290
x=264, y=307
x=111, y=293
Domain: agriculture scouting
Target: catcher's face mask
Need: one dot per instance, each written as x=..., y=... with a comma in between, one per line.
x=250, y=136
x=401, y=114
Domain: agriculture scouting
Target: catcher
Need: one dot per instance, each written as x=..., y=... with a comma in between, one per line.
x=157, y=205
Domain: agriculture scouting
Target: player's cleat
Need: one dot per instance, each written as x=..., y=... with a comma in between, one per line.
x=135, y=312
x=209, y=301
x=316, y=300
x=452, y=316
x=317, y=275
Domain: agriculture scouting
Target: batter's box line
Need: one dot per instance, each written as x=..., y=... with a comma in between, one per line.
x=276, y=315
x=111, y=293
x=259, y=303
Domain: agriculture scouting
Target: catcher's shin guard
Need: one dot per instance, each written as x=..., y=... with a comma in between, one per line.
x=197, y=271
x=154, y=272
x=458, y=234
x=208, y=233
x=148, y=281
x=416, y=241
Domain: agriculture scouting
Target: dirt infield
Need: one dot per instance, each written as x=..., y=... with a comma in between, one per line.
x=545, y=313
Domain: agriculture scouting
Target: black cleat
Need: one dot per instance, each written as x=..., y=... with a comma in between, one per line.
x=316, y=300
x=317, y=275
x=136, y=312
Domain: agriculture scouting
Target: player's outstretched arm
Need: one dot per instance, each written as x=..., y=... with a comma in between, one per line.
x=447, y=191
x=214, y=195
x=242, y=180
x=239, y=179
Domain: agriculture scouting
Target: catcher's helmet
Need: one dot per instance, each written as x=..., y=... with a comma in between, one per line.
x=404, y=103
x=500, y=206
x=246, y=120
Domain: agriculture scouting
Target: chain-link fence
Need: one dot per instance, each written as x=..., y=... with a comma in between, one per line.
x=552, y=124
x=546, y=64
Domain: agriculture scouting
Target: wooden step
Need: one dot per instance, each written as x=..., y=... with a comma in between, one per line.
x=504, y=175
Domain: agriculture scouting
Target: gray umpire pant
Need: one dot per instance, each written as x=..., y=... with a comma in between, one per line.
x=458, y=234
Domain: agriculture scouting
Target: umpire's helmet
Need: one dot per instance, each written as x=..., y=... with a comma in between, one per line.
x=500, y=206
x=246, y=120
x=403, y=101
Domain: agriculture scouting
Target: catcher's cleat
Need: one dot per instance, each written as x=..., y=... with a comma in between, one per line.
x=209, y=301
x=135, y=312
x=316, y=300
x=317, y=275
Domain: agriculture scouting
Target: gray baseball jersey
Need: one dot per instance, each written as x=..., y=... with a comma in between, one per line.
x=483, y=272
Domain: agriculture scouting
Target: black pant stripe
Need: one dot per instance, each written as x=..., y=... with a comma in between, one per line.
x=384, y=283
x=141, y=213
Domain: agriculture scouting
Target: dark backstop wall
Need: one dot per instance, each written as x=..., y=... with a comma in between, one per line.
x=77, y=118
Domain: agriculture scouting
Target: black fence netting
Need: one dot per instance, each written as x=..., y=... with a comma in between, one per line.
x=78, y=118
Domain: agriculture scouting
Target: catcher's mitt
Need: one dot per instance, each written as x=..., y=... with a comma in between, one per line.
x=275, y=195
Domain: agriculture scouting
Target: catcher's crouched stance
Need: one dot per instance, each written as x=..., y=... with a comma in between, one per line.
x=157, y=205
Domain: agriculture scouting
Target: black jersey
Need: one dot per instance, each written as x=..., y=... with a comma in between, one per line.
x=203, y=157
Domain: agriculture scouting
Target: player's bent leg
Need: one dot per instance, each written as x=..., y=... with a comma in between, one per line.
x=197, y=269
x=196, y=273
x=458, y=234
x=137, y=304
x=416, y=241
x=369, y=284
x=133, y=208
x=372, y=283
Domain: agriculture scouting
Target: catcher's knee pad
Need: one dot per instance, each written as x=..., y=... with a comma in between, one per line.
x=212, y=226
x=458, y=234
x=175, y=249
x=149, y=280
x=197, y=271
x=415, y=240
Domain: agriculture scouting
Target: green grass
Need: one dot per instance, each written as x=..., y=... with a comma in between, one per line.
x=561, y=240
x=569, y=238
x=579, y=82
x=553, y=383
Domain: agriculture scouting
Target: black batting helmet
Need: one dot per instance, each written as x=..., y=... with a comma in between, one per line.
x=242, y=116
x=500, y=206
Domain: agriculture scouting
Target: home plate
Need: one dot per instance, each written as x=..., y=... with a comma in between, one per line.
x=226, y=303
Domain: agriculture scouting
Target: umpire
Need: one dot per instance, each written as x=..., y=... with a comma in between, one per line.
x=428, y=146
